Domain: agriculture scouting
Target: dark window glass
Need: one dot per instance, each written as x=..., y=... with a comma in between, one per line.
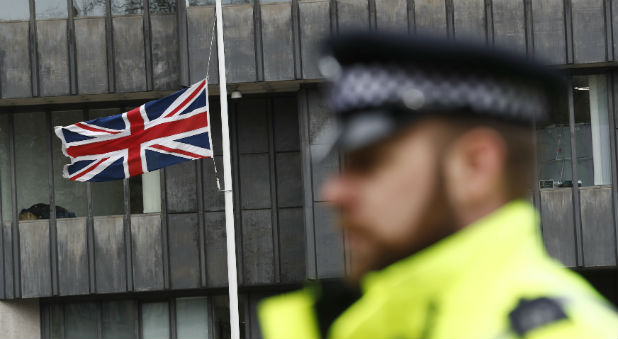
x=554, y=147
x=32, y=165
x=5, y=170
x=14, y=10
x=55, y=321
x=119, y=319
x=88, y=8
x=81, y=320
x=50, y=9
x=70, y=196
x=123, y=7
x=221, y=316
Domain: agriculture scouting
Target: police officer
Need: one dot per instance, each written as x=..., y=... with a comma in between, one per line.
x=437, y=139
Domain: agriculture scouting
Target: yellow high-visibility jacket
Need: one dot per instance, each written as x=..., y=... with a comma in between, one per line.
x=493, y=279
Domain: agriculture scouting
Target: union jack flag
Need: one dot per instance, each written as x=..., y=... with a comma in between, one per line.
x=157, y=134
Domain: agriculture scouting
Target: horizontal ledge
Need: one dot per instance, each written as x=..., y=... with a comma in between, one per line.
x=32, y=103
x=586, y=68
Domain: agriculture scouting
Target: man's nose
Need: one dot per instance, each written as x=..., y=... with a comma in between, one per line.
x=337, y=190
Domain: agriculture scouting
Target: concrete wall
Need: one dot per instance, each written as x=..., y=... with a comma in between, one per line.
x=269, y=42
x=20, y=319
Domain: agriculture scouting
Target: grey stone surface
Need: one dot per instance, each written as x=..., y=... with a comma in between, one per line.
x=509, y=24
x=53, y=55
x=430, y=16
x=598, y=226
x=20, y=319
x=392, y=15
x=72, y=256
x=549, y=33
x=91, y=55
x=14, y=60
x=35, y=259
x=558, y=226
x=469, y=19
x=589, y=40
x=277, y=41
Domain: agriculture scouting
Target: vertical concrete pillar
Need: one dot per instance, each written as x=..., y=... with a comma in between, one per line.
x=20, y=319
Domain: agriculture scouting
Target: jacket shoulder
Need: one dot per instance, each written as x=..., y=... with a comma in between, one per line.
x=561, y=304
x=567, y=318
x=289, y=315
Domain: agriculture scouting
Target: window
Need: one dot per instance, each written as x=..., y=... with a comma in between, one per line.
x=192, y=318
x=32, y=165
x=5, y=168
x=123, y=7
x=89, y=8
x=592, y=142
x=39, y=166
x=70, y=196
x=155, y=320
x=212, y=2
x=592, y=130
x=126, y=319
x=162, y=6
x=119, y=319
x=107, y=197
x=14, y=10
x=81, y=320
x=50, y=9
x=554, y=148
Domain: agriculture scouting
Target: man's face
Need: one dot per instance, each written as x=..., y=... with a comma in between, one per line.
x=390, y=198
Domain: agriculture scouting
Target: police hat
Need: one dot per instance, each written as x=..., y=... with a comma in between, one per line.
x=381, y=82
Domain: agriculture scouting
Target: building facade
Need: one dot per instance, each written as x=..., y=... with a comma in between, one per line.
x=146, y=257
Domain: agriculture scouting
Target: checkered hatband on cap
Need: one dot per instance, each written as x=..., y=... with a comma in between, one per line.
x=366, y=86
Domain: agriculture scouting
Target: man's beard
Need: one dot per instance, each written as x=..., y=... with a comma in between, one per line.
x=437, y=221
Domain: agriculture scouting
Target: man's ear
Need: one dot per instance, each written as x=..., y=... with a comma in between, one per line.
x=474, y=171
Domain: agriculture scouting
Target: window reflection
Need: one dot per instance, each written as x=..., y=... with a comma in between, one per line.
x=14, y=10
x=123, y=7
x=88, y=8
x=50, y=9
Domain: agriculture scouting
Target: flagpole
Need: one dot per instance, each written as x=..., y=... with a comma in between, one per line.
x=227, y=179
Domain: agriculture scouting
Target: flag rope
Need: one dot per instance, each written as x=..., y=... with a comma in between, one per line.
x=214, y=163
